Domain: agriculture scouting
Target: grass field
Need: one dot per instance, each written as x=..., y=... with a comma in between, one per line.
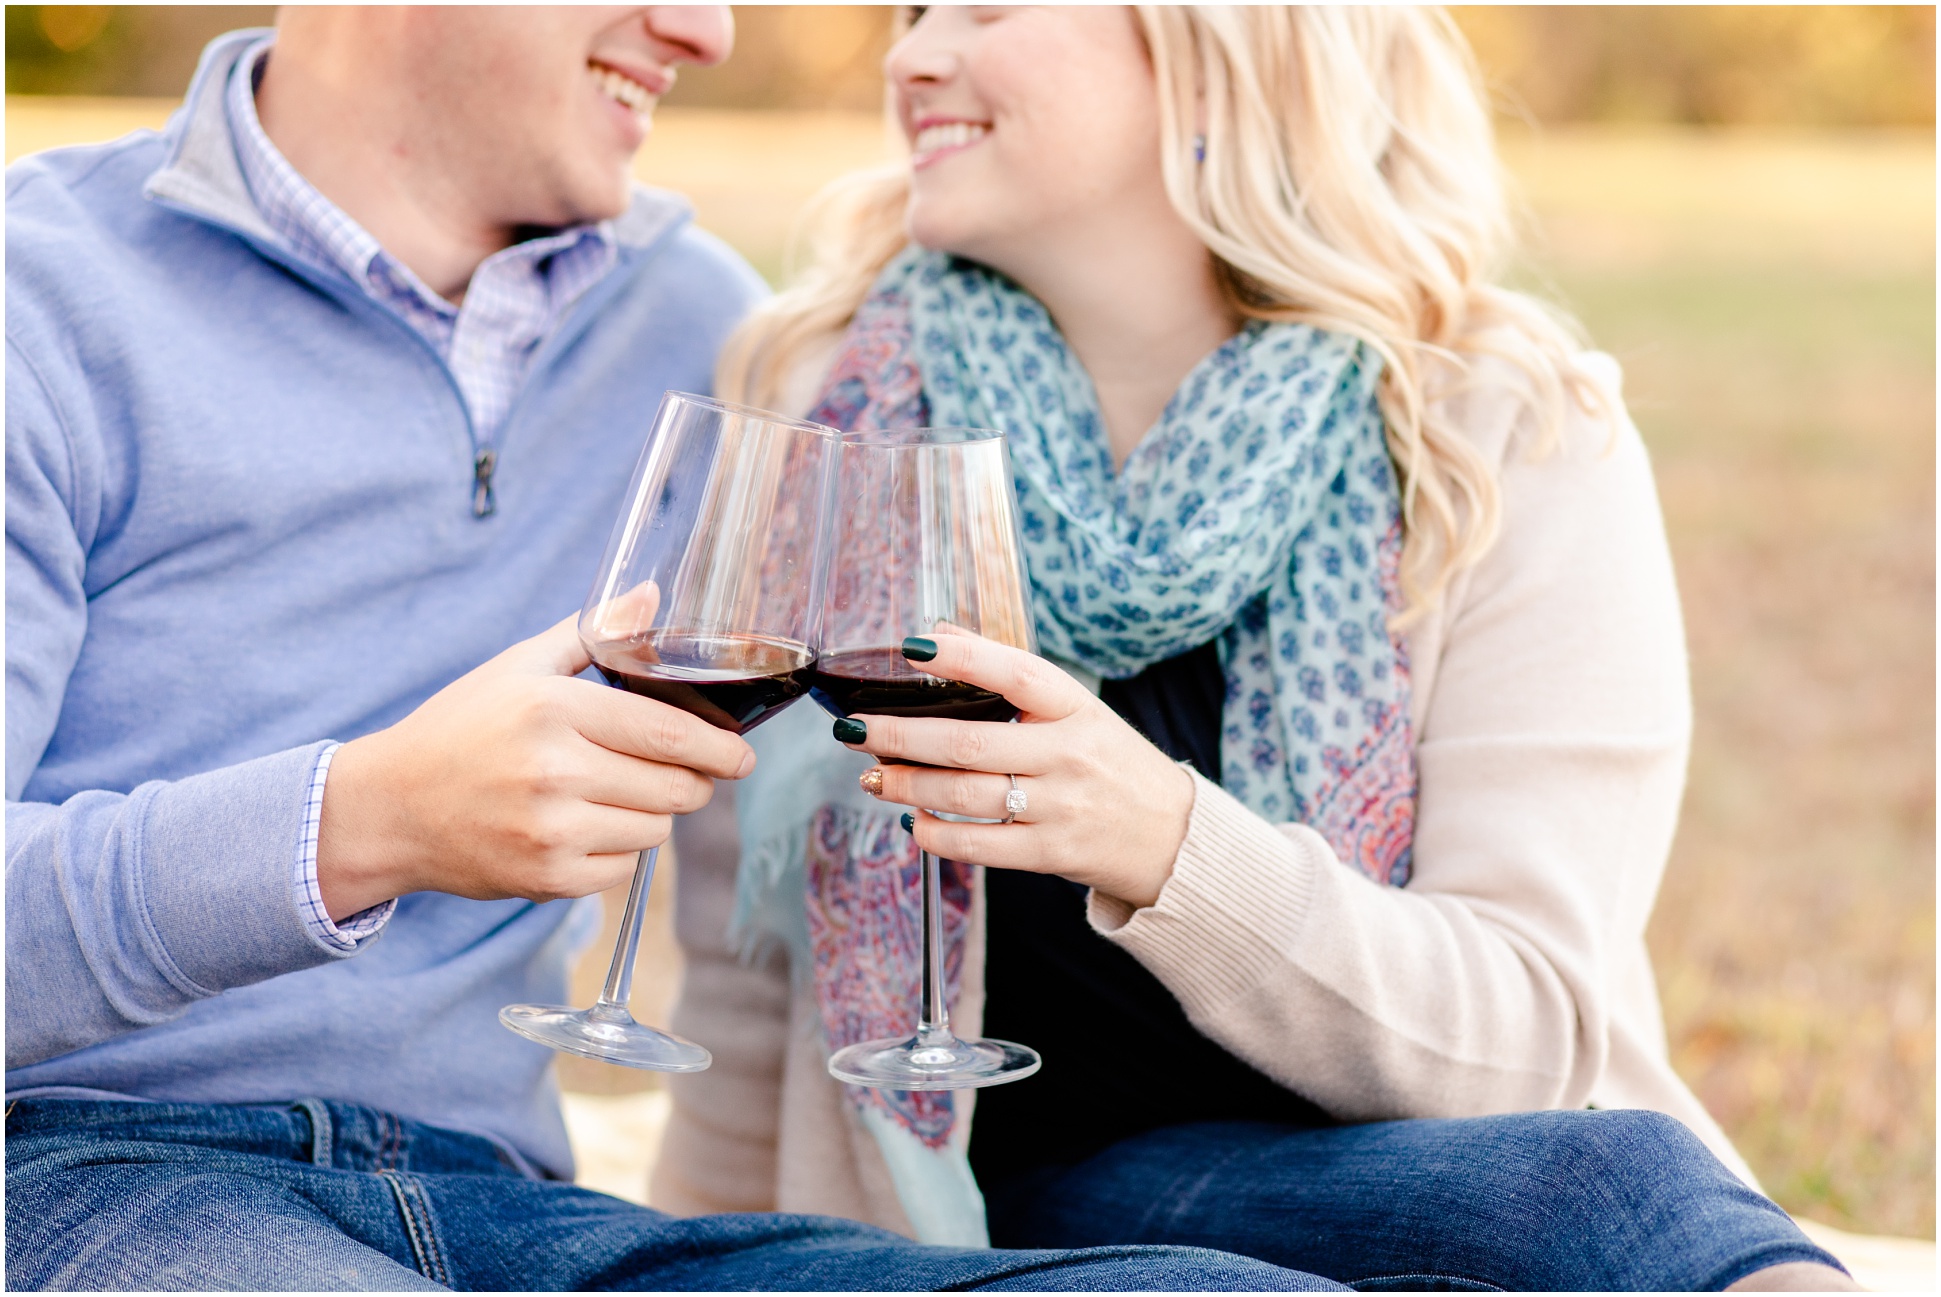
x=1772, y=299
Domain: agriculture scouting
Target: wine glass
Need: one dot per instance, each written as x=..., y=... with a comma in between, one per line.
x=708, y=600
x=922, y=531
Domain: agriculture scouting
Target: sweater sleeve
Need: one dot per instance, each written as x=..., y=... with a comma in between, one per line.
x=123, y=909
x=1551, y=760
x=721, y=1152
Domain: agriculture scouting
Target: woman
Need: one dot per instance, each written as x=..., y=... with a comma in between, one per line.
x=1344, y=819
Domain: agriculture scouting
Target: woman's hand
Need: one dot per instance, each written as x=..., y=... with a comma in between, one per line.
x=1104, y=807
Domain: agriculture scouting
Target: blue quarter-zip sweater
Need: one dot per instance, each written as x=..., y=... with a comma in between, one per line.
x=239, y=524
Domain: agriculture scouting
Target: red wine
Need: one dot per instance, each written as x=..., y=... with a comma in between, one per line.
x=733, y=682
x=881, y=682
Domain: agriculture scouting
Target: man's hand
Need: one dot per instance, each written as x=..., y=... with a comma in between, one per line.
x=514, y=780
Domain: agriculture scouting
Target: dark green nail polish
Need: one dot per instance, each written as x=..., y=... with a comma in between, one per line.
x=848, y=731
x=909, y=822
x=919, y=649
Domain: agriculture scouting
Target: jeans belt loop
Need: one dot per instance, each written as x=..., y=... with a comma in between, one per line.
x=320, y=1130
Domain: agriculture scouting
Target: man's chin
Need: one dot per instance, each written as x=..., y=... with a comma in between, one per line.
x=611, y=199
x=611, y=209
x=589, y=204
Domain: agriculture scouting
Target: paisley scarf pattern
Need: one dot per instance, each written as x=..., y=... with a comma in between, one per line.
x=865, y=902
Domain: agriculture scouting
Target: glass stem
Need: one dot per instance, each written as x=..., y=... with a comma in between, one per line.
x=934, y=1025
x=620, y=975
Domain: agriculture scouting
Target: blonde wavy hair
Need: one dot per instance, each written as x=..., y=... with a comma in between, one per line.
x=1350, y=182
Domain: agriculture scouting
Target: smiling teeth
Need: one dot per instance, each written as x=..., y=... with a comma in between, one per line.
x=621, y=89
x=949, y=135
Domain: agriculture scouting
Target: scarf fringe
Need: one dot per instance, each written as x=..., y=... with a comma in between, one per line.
x=768, y=902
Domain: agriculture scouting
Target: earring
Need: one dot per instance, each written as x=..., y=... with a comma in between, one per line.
x=1199, y=148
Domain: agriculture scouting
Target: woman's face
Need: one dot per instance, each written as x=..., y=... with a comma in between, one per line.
x=1027, y=124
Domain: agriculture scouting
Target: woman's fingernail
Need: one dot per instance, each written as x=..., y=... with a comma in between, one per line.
x=849, y=731
x=909, y=822
x=919, y=649
x=872, y=781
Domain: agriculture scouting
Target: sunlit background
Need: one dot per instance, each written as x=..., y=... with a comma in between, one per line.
x=1739, y=204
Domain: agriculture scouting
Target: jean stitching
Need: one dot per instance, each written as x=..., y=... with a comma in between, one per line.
x=1776, y=1254
x=1024, y=1269
x=417, y=1225
x=422, y=1200
x=390, y=1141
x=1424, y=1276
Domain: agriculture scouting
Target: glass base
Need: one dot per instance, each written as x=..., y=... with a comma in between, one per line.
x=939, y=1064
x=604, y=1033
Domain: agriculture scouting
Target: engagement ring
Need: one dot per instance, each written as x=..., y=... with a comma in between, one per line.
x=1014, y=801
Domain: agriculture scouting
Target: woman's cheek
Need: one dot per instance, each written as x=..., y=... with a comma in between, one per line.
x=968, y=202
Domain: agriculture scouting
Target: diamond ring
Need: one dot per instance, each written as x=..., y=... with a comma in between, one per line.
x=1014, y=802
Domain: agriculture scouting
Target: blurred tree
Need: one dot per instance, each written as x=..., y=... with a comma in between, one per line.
x=796, y=56
x=1713, y=65
x=786, y=56
x=115, y=49
x=1807, y=65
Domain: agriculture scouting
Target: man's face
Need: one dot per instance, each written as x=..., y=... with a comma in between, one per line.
x=538, y=109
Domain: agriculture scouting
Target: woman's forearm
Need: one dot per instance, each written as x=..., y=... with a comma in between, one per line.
x=1482, y=987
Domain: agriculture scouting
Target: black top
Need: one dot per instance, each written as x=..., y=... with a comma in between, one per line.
x=1120, y=1056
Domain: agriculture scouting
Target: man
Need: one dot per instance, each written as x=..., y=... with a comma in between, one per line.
x=314, y=402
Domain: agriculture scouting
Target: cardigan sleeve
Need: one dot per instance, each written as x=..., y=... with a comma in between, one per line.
x=1551, y=757
x=724, y=1132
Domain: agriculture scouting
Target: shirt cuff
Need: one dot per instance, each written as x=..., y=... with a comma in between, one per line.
x=359, y=927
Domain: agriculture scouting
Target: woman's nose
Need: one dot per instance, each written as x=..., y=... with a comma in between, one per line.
x=700, y=34
x=927, y=53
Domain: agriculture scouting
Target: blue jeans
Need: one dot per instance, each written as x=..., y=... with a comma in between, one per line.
x=1544, y=1201
x=319, y=1195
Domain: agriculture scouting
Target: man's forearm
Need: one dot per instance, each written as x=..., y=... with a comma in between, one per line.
x=125, y=909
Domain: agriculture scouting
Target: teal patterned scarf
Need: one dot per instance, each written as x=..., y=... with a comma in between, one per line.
x=1260, y=512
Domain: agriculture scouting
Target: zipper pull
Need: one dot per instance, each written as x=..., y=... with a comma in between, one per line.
x=483, y=505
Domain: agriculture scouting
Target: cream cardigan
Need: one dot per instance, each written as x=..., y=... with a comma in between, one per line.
x=1552, y=716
